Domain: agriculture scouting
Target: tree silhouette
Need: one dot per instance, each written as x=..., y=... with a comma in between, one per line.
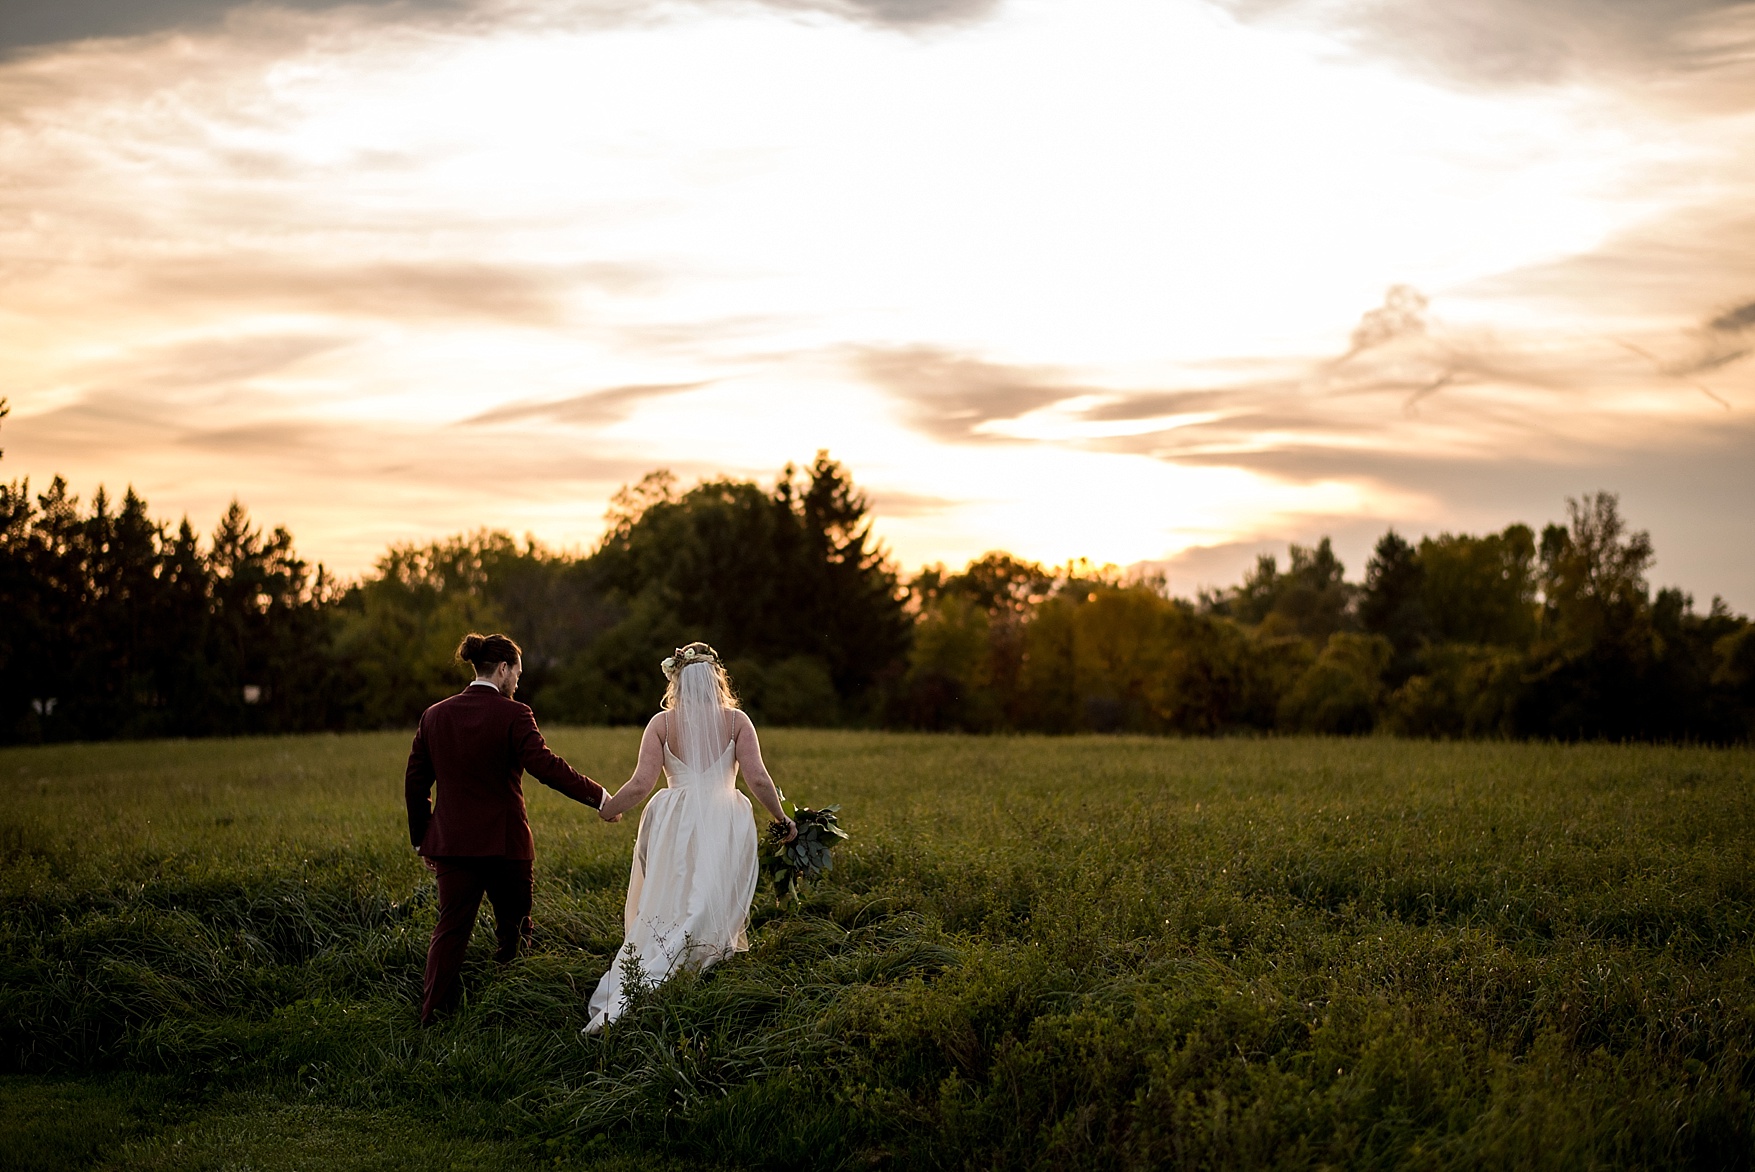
x=119, y=625
x=1392, y=602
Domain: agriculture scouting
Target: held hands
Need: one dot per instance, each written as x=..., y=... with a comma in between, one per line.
x=607, y=809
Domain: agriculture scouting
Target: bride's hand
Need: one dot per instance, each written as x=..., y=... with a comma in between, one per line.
x=608, y=817
x=791, y=830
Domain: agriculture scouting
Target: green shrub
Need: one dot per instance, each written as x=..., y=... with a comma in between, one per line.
x=1339, y=693
x=1462, y=691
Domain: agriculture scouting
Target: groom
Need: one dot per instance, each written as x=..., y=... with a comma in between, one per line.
x=475, y=746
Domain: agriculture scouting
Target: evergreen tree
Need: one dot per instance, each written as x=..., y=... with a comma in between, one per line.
x=1392, y=602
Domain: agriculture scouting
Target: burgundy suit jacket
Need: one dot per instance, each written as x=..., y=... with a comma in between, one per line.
x=476, y=746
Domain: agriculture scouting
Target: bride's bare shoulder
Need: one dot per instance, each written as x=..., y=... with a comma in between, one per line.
x=740, y=720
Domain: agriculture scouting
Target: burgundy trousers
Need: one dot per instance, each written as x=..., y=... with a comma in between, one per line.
x=508, y=884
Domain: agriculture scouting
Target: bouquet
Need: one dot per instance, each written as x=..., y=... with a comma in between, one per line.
x=806, y=857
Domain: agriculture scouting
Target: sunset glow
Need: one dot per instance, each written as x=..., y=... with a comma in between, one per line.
x=1108, y=280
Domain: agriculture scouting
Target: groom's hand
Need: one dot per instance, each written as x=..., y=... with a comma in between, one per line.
x=608, y=817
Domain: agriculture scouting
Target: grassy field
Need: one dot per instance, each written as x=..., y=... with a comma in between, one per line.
x=1036, y=953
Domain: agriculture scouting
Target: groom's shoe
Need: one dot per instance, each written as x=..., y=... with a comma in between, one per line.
x=524, y=941
x=438, y=1014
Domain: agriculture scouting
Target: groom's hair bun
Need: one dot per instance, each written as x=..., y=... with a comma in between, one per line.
x=483, y=651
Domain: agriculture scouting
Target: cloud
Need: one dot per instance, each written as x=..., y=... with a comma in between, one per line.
x=1698, y=263
x=206, y=362
x=954, y=397
x=1462, y=399
x=401, y=290
x=1734, y=321
x=356, y=485
x=233, y=428
x=1723, y=341
x=1406, y=378
x=33, y=24
x=1402, y=315
x=209, y=409
x=888, y=503
x=1410, y=390
x=144, y=397
x=1706, y=46
x=898, y=14
x=591, y=407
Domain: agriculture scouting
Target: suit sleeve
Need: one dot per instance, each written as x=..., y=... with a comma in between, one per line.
x=417, y=786
x=540, y=762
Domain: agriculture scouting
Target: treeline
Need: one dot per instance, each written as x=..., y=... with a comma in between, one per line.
x=1502, y=635
x=117, y=625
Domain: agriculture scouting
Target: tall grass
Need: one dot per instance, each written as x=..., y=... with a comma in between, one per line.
x=1072, y=953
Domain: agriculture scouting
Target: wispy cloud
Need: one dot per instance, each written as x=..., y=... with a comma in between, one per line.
x=33, y=24
x=202, y=364
x=900, y=14
x=1410, y=393
x=1641, y=286
x=898, y=503
x=530, y=294
x=957, y=397
x=1705, y=47
x=591, y=407
x=358, y=485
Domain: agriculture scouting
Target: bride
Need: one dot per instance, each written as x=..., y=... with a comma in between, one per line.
x=694, y=870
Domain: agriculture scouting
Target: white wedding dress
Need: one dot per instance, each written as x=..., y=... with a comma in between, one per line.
x=695, y=869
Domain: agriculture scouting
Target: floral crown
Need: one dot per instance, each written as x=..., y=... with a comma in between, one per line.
x=684, y=656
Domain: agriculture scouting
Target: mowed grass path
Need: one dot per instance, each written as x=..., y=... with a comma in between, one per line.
x=1035, y=953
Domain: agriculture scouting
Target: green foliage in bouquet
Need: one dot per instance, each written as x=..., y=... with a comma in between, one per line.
x=806, y=857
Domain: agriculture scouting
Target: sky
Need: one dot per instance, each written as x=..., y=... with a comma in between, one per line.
x=1148, y=282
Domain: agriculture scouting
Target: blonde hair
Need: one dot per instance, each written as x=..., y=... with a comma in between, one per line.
x=703, y=657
